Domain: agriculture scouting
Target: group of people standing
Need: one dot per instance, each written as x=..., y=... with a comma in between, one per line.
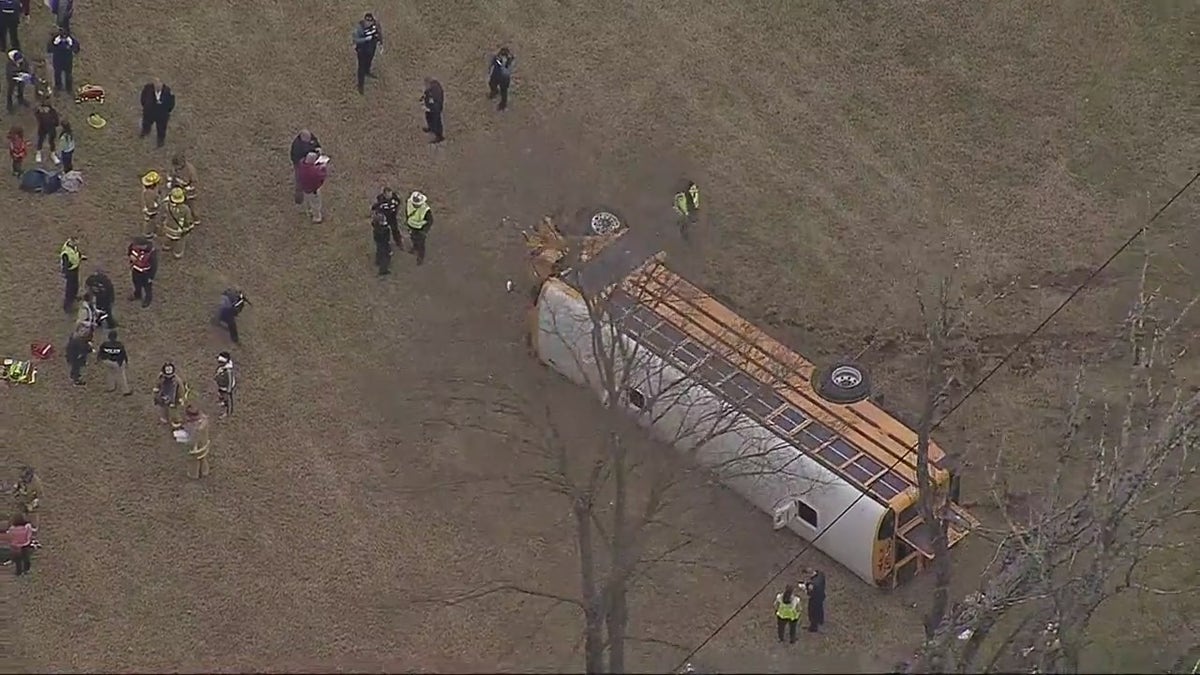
x=787, y=606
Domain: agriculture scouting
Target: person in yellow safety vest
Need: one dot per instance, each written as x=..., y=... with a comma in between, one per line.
x=170, y=396
x=183, y=175
x=687, y=205
x=151, y=203
x=179, y=222
x=419, y=218
x=69, y=260
x=198, y=435
x=787, y=613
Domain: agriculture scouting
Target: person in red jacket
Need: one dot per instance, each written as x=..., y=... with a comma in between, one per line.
x=18, y=148
x=310, y=175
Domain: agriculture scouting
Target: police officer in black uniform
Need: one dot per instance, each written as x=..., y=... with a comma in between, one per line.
x=103, y=292
x=381, y=232
x=500, y=76
x=388, y=204
x=434, y=100
x=367, y=38
x=10, y=20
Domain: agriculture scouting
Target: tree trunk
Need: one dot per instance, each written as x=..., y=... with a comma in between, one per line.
x=931, y=514
x=617, y=608
x=593, y=606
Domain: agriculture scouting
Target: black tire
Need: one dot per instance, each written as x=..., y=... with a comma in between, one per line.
x=843, y=382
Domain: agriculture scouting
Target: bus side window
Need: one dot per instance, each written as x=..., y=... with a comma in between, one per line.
x=887, y=528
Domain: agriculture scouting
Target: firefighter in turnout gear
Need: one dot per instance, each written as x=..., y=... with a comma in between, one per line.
x=183, y=175
x=226, y=382
x=143, y=265
x=151, y=203
x=382, y=235
x=179, y=222
x=69, y=259
x=687, y=206
x=198, y=436
x=170, y=396
x=419, y=218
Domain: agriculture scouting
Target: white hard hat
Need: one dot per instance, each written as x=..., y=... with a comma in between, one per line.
x=416, y=198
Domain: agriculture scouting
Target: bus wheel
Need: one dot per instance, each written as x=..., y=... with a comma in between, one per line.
x=842, y=382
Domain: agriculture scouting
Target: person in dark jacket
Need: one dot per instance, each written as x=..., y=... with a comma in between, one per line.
x=304, y=143
x=500, y=76
x=47, y=130
x=816, y=600
x=101, y=288
x=63, y=11
x=114, y=357
x=10, y=21
x=434, y=100
x=388, y=204
x=16, y=73
x=62, y=49
x=79, y=346
x=382, y=235
x=143, y=265
x=158, y=102
x=233, y=302
x=367, y=36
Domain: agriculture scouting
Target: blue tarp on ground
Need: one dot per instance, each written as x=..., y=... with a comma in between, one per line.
x=40, y=180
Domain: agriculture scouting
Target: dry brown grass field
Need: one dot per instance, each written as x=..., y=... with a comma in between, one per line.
x=849, y=152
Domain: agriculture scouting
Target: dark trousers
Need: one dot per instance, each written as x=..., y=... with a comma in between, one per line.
x=71, y=292
x=230, y=320
x=789, y=624
x=11, y=88
x=499, y=85
x=9, y=32
x=383, y=256
x=76, y=366
x=226, y=400
x=816, y=614
x=16, y=166
x=44, y=135
x=394, y=226
x=365, y=56
x=418, y=243
x=106, y=308
x=433, y=124
x=143, y=287
x=23, y=560
x=62, y=75
x=159, y=122
x=67, y=157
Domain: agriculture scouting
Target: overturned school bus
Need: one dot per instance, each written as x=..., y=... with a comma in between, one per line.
x=846, y=470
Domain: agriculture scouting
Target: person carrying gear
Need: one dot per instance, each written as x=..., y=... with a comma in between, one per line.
x=388, y=204
x=79, y=346
x=418, y=218
x=143, y=265
x=382, y=235
x=226, y=382
x=170, y=396
x=233, y=302
x=18, y=371
x=103, y=293
x=69, y=260
x=183, y=175
x=787, y=613
x=178, y=224
x=151, y=203
x=367, y=36
x=28, y=495
x=196, y=432
x=687, y=205
x=500, y=76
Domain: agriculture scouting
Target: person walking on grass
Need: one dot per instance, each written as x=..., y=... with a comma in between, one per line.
x=787, y=613
x=47, y=130
x=304, y=143
x=183, y=176
x=79, y=346
x=434, y=101
x=419, y=218
x=69, y=260
x=500, y=76
x=382, y=235
x=143, y=265
x=20, y=542
x=18, y=149
x=367, y=37
x=310, y=176
x=114, y=357
x=62, y=48
x=158, y=102
x=66, y=146
x=816, y=600
x=226, y=381
x=198, y=435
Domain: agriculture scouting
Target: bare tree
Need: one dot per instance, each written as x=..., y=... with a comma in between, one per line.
x=686, y=394
x=1083, y=542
